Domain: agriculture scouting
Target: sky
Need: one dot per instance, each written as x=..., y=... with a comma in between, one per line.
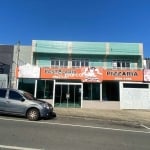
x=75, y=20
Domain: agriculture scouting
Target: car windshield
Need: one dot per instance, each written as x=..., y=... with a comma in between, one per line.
x=28, y=96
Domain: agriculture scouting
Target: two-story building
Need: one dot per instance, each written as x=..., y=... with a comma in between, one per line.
x=85, y=74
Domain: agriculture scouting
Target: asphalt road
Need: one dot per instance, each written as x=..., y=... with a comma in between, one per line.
x=70, y=134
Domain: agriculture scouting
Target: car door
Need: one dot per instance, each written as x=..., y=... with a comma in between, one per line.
x=15, y=103
x=3, y=99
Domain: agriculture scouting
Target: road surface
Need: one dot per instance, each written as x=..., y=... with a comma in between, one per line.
x=70, y=134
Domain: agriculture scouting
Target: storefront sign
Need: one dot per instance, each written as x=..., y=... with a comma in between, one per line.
x=28, y=71
x=85, y=74
x=89, y=74
x=123, y=75
x=147, y=75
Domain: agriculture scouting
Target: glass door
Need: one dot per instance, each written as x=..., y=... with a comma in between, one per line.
x=67, y=95
x=75, y=96
x=60, y=95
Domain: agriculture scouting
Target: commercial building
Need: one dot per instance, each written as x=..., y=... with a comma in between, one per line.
x=99, y=75
x=10, y=58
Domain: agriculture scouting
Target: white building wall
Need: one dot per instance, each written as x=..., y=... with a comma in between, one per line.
x=24, y=57
x=3, y=80
x=134, y=98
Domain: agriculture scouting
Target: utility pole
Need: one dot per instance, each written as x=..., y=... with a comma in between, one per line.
x=18, y=51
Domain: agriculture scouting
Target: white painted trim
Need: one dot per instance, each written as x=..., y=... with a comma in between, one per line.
x=35, y=88
x=18, y=148
x=54, y=93
x=81, y=95
x=76, y=125
x=101, y=91
x=17, y=83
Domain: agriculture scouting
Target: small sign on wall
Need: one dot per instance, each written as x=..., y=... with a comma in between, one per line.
x=147, y=75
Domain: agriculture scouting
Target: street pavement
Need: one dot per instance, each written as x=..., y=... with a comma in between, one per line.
x=69, y=134
x=136, y=118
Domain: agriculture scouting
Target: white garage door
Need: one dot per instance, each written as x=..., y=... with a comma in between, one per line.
x=134, y=95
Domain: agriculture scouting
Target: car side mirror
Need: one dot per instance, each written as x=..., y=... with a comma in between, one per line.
x=22, y=99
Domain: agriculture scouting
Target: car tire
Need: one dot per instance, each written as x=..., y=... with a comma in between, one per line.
x=33, y=114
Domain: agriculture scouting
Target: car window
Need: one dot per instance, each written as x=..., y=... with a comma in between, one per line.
x=14, y=95
x=3, y=93
x=28, y=96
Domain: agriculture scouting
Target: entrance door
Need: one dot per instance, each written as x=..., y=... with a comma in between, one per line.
x=67, y=95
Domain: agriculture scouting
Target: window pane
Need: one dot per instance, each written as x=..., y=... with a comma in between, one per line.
x=123, y=64
x=91, y=91
x=44, y=89
x=118, y=64
x=73, y=63
x=14, y=95
x=82, y=63
x=86, y=63
x=114, y=64
x=52, y=63
x=95, y=91
x=2, y=93
x=77, y=63
x=61, y=63
x=127, y=64
x=86, y=91
x=57, y=63
x=132, y=85
x=65, y=63
x=27, y=84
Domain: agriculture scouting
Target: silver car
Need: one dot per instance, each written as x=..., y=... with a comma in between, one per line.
x=21, y=103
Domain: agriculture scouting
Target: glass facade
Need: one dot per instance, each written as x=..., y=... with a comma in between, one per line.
x=68, y=95
x=27, y=84
x=44, y=89
x=91, y=91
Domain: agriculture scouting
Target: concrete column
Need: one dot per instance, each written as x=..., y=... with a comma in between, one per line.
x=107, y=48
x=82, y=95
x=101, y=90
x=54, y=93
x=141, y=52
x=35, y=88
x=69, y=54
x=17, y=83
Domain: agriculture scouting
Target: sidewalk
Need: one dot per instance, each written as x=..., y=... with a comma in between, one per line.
x=128, y=117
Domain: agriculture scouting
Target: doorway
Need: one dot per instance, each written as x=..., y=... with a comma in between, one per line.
x=68, y=95
x=110, y=91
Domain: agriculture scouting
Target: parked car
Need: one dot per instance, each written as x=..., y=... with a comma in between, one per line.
x=22, y=103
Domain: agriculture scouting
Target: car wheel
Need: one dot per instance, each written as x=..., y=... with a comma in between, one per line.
x=33, y=114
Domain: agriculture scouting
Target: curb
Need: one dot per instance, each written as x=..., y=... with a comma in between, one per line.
x=126, y=123
x=131, y=118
